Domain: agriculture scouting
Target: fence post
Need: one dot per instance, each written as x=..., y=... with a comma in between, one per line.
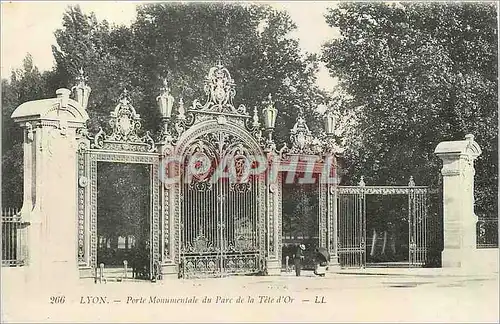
x=125, y=263
x=101, y=272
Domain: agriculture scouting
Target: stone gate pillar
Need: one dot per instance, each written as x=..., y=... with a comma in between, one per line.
x=459, y=220
x=50, y=186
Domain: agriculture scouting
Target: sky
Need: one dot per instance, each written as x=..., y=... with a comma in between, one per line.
x=28, y=27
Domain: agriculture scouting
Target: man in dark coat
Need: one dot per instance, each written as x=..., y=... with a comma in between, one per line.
x=298, y=258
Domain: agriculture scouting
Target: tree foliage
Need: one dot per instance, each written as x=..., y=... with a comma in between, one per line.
x=417, y=74
x=123, y=199
x=26, y=83
x=181, y=42
x=175, y=40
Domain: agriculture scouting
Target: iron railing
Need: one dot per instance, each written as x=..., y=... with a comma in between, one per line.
x=487, y=233
x=352, y=223
x=13, y=239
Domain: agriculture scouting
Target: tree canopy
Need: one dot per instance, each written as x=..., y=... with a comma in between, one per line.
x=414, y=74
x=26, y=83
x=181, y=42
x=177, y=41
x=417, y=74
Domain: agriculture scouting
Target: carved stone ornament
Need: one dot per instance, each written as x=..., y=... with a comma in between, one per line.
x=29, y=132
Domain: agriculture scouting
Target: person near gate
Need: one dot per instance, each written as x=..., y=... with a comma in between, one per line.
x=298, y=259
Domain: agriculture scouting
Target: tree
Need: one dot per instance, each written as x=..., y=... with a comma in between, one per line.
x=417, y=74
x=183, y=41
x=119, y=214
x=26, y=84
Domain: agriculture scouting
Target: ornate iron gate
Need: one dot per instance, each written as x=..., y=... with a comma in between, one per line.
x=417, y=224
x=220, y=215
x=351, y=210
x=351, y=213
x=221, y=224
x=122, y=145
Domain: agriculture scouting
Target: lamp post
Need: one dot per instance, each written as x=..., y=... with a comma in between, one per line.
x=329, y=127
x=165, y=104
x=329, y=123
x=270, y=114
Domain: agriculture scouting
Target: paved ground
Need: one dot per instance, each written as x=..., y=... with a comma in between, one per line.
x=336, y=298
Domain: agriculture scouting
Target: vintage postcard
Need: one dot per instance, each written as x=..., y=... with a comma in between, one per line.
x=220, y=161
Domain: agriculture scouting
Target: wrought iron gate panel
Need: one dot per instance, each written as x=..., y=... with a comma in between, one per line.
x=221, y=230
x=351, y=214
x=199, y=229
x=351, y=229
x=124, y=144
x=154, y=217
x=417, y=224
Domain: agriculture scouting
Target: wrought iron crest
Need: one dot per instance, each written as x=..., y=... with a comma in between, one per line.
x=303, y=142
x=125, y=123
x=220, y=91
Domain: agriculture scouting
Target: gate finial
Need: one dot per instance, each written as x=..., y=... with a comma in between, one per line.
x=361, y=182
x=181, y=115
x=81, y=89
x=411, y=183
x=165, y=101
x=256, y=122
x=300, y=135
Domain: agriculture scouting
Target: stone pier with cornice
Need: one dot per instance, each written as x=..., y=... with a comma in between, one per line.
x=459, y=218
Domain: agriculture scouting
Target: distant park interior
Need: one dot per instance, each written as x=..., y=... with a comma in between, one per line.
x=300, y=216
x=387, y=228
x=123, y=215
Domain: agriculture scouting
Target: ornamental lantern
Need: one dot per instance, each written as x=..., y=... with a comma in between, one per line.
x=270, y=114
x=82, y=90
x=165, y=101
x=329, y=122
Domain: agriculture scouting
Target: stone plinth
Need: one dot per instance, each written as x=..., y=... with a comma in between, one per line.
x=274, y=267
x=50, y=186
x=459, y=220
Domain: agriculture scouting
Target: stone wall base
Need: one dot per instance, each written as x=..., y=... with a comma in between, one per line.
x=273, y=267
x=170, y=270
x=474, y=261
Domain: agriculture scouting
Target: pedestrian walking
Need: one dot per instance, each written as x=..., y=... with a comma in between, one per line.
x=298, y=258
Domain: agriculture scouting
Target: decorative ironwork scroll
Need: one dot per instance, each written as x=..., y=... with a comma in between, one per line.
x=302, y=140
x=220, y=91
x=125, y=124
x=381, y=190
